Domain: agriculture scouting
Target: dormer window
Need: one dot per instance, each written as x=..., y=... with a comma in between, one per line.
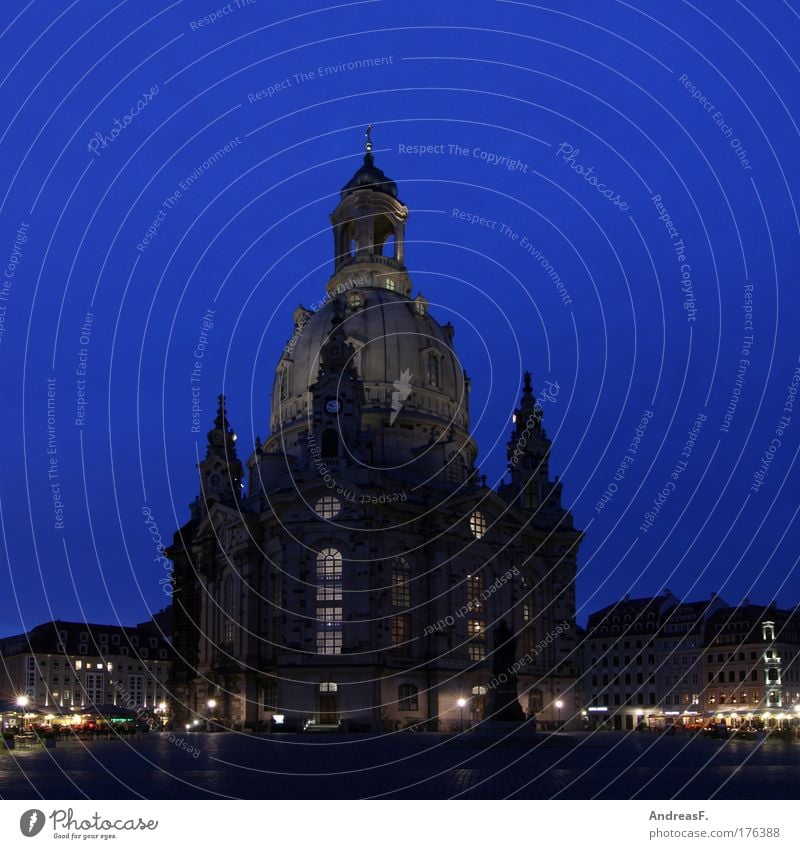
x=420, y=306
x=433, y=371
x=283, y=382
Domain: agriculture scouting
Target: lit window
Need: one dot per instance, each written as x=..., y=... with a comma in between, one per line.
x=328, y=687
x=480, y=690
x=477, y=524
x=329, y=641
x=328, y=507
x=401, y=627
x=419, y=305
x=79, y=664
x=407, y=697
x=329, y=588
x=354, y=300
x=329, y=575
x=329, y=615
x=401, y=589
x=477, y=634
x=390, y=284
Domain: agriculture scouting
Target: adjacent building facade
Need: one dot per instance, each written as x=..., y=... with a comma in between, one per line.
x=357, y=578
x=63, y=667
x=751, y=664
x=658, y=661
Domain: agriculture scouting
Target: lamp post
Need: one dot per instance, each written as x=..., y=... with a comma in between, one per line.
x=559, y=705
x=461, y=704
x=211, y=704
x=22, y=701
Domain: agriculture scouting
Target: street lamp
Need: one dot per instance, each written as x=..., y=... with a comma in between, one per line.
x=559, y=705
x=211, y=704
x=22, y=701
x=461, y=704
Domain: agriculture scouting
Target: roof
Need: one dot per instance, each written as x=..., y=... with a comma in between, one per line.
x=62, y=637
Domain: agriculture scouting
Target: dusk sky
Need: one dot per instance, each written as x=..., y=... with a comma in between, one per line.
x=601, y=193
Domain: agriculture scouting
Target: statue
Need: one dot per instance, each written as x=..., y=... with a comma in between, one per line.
x=503, y=704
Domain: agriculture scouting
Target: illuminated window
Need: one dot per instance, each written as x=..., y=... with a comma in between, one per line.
x=419, y=305
x=354, y=300
x=329, y=641
x=401, y=588
x=474, y=592
x=407, y=697
x=329, y=615
x=390, y=284
x=328, y=507
x=477, y=634
x=401, y=628
x=79, y=664
x=329, y=575
x=328, y=687
x=477, y=524
x=329, y=588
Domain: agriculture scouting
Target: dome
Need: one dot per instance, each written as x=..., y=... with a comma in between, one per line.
x=390, y=335
x=369, y=176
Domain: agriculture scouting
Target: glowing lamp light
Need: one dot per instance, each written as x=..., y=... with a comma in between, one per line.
x=162, y=706
x=461, y=702
x=559, y=704
x=22, y=701
x=278, y=718
x=212, y=704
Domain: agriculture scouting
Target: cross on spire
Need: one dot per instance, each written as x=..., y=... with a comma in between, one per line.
x=368, y=136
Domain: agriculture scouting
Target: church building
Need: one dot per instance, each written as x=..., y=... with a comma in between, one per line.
x=351, y=571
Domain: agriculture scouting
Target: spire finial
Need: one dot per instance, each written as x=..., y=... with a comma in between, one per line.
x=221, y=421
x=368, y=136
x=527, y=388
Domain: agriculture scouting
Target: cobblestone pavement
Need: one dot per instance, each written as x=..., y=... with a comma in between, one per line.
x=406, y=765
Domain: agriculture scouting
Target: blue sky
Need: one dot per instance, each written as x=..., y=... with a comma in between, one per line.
x=650, y=167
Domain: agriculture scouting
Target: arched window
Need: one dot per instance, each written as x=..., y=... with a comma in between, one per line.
x=329, y=575
x=432, y=369
x=535, y=702
x=407, y=697
x=330, y=443
x=228, y=609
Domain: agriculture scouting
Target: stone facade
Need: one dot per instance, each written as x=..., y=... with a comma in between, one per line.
x=356, y=581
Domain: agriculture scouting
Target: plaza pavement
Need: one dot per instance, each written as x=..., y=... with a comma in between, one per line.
x=603, y=765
